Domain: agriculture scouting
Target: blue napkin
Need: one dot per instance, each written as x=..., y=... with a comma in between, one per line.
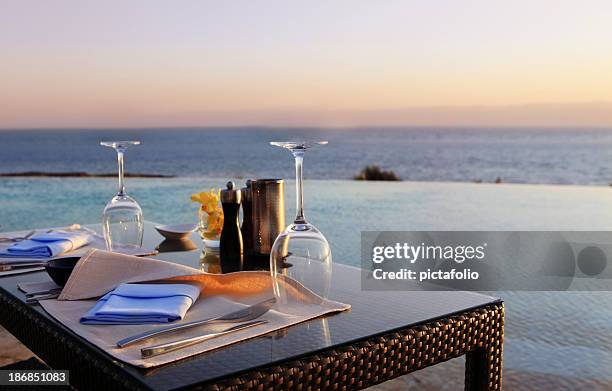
x=143, y=304
x=48, y=245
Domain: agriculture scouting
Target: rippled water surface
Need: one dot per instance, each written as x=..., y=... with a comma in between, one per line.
x=566, y=156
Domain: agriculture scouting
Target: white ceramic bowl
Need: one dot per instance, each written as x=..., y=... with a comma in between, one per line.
x=211, y=243
x=176, y=231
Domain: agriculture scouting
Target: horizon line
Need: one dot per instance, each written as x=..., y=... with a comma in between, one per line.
x=590, y=114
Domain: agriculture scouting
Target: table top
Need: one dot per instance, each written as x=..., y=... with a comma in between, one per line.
x=373, y=313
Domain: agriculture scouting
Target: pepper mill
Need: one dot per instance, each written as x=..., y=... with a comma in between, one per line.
x=230, y=243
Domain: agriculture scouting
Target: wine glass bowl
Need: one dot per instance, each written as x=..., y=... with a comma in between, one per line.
x=122, y=219
x=305, y=257
x=300, y=252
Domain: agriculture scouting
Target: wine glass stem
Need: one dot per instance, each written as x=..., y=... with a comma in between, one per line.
x=120, y=163
x=299, y=187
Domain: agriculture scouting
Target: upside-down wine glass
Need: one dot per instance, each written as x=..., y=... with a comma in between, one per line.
x=300, y=252
x=122, y=218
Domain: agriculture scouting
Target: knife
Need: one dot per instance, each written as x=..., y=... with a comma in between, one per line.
x=36, y=299
x=243, y=315
x=156, y=350
x=15, y=266
x=18, y=238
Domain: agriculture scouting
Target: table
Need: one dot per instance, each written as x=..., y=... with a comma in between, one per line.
x=386, y=334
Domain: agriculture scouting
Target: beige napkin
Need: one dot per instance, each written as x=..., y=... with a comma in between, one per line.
x=99, y=272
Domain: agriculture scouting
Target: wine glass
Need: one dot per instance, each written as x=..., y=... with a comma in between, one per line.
x=122, y=218
x=300, y=252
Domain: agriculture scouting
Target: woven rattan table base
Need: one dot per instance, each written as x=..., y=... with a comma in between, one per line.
x=477, y=333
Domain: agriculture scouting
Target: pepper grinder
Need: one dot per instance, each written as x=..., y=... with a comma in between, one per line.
x=230, y=243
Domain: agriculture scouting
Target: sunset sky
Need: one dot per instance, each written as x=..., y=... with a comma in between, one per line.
x=321, y=63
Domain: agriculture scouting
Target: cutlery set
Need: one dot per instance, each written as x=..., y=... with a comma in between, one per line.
x=241, y=316
x=18, y=238
x=34, y=297
x=244, y=317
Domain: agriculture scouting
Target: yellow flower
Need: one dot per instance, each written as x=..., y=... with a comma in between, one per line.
x=214, y=223
x=195, y=198
x=209, y=203
x=209, y=200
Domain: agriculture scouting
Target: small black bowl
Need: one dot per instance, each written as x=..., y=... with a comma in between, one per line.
x=60, y=269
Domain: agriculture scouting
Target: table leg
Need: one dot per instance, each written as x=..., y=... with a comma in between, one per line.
x=483, y=367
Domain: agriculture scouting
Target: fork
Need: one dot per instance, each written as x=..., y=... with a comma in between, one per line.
x=45, y=292
x=36, y=299
x=17, y=266
x=18, y=238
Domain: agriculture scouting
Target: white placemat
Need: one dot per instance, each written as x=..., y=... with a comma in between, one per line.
x=99, y=272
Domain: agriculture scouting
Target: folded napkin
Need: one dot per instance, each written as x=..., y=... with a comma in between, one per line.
x=48, y=245
x=143, y=304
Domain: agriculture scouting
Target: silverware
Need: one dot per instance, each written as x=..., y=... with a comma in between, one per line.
x=45, y=292
x=22, y=261
x=156, y=350
x=36, y=299
x=15, y=266
x=18, y=238
x=21, y=238
x=243, y=315
x=4, y=266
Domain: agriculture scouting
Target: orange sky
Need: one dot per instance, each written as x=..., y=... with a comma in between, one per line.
x=341, y=63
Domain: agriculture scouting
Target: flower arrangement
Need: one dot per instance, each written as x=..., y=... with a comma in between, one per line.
x=210, y=212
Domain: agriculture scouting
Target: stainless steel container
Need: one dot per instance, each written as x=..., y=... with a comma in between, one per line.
x=268, y=213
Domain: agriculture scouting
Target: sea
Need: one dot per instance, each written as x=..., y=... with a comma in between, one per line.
x=538, y=156
x=551, y=179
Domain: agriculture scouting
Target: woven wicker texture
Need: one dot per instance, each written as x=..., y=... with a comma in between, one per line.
x=478, y=334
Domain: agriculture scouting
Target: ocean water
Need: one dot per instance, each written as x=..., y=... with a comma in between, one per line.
x=551, y=156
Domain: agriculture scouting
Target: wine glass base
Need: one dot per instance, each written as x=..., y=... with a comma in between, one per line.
x=119, y=145
x=297, y=145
